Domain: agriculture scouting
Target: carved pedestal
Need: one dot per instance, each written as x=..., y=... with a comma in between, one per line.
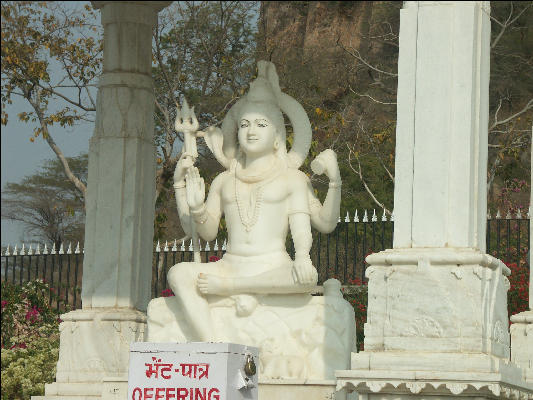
x=522, y=342
x=94, y=352
x=437, y=326
x=299, y=336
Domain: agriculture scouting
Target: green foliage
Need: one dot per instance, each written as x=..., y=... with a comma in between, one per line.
x=25, y=371
x=26, y=312
x=35, y=37
x=357, y=296
x=30, y=339
x=513, y=196
x=204, y=51
x=517, y=296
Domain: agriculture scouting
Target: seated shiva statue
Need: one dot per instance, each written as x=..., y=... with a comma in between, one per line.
x=262, y=194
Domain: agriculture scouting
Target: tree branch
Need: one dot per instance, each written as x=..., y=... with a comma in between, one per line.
x=370, y=97
x=527, y=107
x=55, y=148
x=359, y=173
x=77, y=104
x=355, y=53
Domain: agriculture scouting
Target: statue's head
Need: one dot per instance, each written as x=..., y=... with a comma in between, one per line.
x=260, y=113
x=261, y=130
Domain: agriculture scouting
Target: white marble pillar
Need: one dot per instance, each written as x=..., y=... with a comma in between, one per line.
x=437, y=320
x=121, y=183
x=117, y=268
x=441, y=134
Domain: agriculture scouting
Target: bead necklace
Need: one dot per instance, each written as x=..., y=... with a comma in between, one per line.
x=256, y=193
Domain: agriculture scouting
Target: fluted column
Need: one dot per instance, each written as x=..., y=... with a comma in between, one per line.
x=121, y=183
x=442, y=123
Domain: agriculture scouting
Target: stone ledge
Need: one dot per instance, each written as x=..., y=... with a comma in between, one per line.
x=299, y=389
x=436, y=256
x=523, y=317
x=408, y=383
x=73, y=389
x=105, y=314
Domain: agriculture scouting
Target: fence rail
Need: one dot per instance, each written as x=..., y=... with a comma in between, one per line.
x=340, y=254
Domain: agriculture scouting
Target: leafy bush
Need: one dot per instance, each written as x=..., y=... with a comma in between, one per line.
x=517, y=296
x=30, y=339
x=26, y=369
x=357, y=296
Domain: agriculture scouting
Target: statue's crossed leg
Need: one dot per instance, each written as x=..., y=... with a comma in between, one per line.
x=232, y=275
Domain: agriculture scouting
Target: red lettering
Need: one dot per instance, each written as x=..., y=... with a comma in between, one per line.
x=191, y=394
x=198, y=394
x=170, y=394
x=159, y=393
x=213, y=394
x=140, y=394
x=182, y=393
x=148, y=395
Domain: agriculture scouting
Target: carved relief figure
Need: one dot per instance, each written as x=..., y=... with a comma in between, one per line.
x=262, y=195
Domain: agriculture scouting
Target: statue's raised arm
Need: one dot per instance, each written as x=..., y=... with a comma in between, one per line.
x=190, y=187
x=324, y=217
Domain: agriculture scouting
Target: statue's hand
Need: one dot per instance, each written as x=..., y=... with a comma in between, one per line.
x=326, y=163
x=184, y=163
x=303, y=271
x=195, y=188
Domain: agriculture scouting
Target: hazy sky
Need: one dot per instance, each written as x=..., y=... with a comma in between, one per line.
x=20, y=157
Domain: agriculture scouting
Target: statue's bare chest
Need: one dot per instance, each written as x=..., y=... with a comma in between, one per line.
x=273, y=191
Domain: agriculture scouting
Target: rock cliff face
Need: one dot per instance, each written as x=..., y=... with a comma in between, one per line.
x=310, y=38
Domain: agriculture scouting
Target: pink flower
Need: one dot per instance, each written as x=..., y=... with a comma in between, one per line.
x=4, y=304
x=213, y=258
x=167, y=293
x=32, y=315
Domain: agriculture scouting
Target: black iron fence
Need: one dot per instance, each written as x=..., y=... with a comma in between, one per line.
x=340, y=254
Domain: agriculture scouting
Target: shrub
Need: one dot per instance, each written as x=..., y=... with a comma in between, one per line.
x=357, y=296
x=30, y=339
x=517, y=296
x=29, y=365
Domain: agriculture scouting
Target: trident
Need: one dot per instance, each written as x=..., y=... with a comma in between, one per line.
x=187, y=123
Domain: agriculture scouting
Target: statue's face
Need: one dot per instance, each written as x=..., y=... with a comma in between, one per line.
x=256, y=134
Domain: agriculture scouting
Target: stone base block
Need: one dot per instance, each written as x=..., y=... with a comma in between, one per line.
x=299, y=336
x=522, y=342
x=94, y=345
x=437, y=300
x=385, y=384
x=436, y=328
x=112, y=388
x=280, y=389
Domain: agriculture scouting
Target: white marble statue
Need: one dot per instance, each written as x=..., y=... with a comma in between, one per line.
x=262, y=195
